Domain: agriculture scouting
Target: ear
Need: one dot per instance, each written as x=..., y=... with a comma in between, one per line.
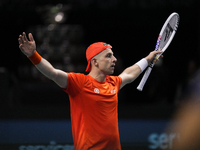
x=94, y=62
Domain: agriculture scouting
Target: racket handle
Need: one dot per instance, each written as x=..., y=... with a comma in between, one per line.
x=144, y=79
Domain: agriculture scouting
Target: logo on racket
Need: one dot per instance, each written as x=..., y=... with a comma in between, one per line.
x=158, y=42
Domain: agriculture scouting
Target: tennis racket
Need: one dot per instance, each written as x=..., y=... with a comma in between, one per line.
x=164, y=39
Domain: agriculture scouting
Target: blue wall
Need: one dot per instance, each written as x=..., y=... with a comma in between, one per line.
x=148, y=134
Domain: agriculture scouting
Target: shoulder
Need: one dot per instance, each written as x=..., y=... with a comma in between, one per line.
x=75, y=75
x=116, y=79
x=75, y=82
x=78, y=78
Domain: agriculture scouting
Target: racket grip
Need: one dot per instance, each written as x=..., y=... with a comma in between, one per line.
x=144, y=79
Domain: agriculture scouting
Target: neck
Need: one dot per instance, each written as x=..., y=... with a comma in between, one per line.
x=99, y=76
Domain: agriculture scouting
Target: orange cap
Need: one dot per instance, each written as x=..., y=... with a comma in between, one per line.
x=93, y=50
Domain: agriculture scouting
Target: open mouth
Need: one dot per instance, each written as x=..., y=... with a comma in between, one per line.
x=113, y=66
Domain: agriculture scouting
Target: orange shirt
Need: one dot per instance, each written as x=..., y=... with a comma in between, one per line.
x=94, y=112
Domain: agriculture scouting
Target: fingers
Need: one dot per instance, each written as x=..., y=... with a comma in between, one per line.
x=24, y=37
x=20, y=46
x=157, y=52
x=30, y=36
x=20, y=40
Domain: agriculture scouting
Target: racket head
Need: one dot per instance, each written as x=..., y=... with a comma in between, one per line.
x=167, y=32
x=164, y=39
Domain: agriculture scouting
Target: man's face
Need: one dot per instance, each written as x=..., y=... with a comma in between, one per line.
x=106, y=61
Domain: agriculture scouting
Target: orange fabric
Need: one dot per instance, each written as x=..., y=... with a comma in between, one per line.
x=94, y=112
x=35, y=58
x=93, y=50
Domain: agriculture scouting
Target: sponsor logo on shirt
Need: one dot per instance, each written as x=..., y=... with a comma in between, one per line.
x=96, y=90
x=112, y=91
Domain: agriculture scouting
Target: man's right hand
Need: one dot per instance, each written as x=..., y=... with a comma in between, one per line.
x=27, y=46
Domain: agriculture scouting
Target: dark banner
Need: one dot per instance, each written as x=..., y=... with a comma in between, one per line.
x=56, y=134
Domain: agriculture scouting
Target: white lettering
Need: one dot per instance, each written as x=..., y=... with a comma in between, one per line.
x=52, y=146
x=153, y=139
x=162, y=141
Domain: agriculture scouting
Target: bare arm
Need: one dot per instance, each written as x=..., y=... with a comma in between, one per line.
x=28, y=47
x=58, y=76
x=132, y=72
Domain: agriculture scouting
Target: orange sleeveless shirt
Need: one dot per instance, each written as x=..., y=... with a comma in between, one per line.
x=94, y=112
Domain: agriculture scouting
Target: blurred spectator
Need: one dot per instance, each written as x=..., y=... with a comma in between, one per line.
x=186, y=121
x=192, y=67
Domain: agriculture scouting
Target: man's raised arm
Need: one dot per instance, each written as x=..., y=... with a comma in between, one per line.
x=28, y=47
x=132, y=72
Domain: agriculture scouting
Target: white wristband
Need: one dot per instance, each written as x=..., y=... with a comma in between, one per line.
x=142, y=64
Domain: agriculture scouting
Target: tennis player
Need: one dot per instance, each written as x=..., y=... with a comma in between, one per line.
x=93, y=97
